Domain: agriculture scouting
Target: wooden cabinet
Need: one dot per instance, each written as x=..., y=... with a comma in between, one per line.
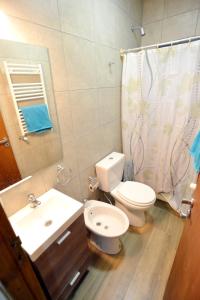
x=63, y=264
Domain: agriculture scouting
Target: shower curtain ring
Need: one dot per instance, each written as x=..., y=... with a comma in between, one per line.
x=158, y=48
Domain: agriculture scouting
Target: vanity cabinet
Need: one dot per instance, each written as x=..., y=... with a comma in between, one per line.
x=64, y=263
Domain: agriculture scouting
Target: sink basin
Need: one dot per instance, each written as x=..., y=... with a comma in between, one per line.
x=39, y=227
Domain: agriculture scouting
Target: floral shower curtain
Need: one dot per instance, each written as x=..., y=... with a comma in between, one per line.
x=161, y=116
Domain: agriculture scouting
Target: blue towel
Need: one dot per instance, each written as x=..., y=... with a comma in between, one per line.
x=195, y=152
x=36, y=118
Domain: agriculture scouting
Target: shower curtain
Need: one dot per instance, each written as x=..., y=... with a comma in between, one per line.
x=161, y=116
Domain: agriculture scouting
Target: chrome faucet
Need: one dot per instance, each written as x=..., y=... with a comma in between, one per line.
x=33, y=200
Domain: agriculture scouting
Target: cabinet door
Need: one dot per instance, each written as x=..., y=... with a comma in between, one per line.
x=62, y=260
x=184, y=280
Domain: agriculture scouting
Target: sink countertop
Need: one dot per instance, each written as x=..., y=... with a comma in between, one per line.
x=28, y=223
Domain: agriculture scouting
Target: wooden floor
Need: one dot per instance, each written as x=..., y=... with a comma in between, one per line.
x=141, y=270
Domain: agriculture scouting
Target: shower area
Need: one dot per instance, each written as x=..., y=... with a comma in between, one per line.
x=161, y=116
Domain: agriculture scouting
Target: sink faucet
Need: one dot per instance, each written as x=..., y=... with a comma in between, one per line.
x=33, y=200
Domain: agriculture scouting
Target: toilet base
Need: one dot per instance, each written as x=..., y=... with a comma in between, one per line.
x=136, y=217
x=107, y=245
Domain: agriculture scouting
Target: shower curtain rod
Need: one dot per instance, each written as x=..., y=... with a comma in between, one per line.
x=171, y=43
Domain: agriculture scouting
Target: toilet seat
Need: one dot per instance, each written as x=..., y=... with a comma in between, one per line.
x=135, y=193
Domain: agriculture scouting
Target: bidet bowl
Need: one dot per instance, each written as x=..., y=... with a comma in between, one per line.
x=106, y=223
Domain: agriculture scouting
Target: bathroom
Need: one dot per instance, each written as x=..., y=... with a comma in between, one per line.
x=81, y=45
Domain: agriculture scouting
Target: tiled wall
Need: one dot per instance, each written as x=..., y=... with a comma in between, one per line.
x=166, y=20
x=83, y=37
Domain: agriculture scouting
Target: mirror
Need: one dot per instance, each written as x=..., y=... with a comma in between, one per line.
x=29, y=130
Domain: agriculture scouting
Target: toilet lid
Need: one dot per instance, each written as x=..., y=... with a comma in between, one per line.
x=136, y=193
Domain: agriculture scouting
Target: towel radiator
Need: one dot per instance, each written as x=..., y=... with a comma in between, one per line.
x=26, y=84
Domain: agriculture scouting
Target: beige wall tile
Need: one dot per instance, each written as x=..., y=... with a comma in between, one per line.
x=125, y=37
x=153, y=32
x=131, y=7
x=117, y=139
x=135, y=11
x=72, y=189
x=175, y=7
x=104, y=22
x=180, y=26
x=153, y=10
x=85, y=110
x=123, y=4
x=64, y=115
x=77, y=17
x=88, y=149
x=109, y=105
x=106, y=72
x=110, y=138
x=80, y=60
x=70, y=157
x=43, y=12
x=177, y=20
x=197, y=32
x=49, y=176
x=118, y=68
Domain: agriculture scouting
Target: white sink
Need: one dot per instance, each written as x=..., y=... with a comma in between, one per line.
x=39, y=227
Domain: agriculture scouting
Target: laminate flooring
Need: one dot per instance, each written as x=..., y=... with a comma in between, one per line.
x=141, y=270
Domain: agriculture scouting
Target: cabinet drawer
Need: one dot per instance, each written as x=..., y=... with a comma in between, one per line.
x=56, y=264
x=72, y=282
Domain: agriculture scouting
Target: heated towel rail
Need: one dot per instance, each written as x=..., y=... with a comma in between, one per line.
x=26, y=83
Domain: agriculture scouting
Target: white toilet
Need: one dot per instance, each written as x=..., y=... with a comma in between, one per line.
x=130, y=196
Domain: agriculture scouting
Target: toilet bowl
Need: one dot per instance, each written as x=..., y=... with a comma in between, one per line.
x=106, y=224
x=134, y=198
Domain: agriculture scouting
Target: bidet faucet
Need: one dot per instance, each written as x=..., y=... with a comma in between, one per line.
x=33, y=200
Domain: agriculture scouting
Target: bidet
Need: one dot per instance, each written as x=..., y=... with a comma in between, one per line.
x=106, y=224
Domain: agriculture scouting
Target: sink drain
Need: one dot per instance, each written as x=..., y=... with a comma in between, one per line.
x=98, y=223
x=48, y=223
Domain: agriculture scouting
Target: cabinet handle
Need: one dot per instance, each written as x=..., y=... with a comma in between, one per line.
x=74, y=278
x=61, y=240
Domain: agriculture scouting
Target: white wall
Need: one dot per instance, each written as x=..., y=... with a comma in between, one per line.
x=82, y=36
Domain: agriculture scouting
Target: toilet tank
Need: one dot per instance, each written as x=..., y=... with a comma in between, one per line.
x=110, y=170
